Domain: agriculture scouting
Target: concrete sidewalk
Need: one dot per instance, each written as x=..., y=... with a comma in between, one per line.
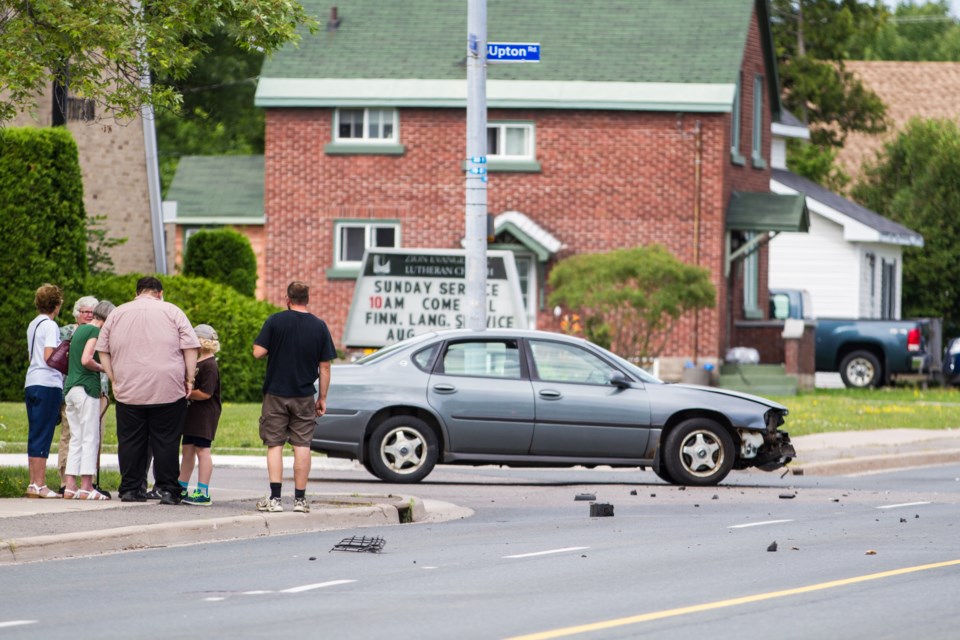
x=32, y=530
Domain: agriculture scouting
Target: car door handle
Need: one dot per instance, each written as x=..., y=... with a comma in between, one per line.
x=444, y=388
x=550, y=394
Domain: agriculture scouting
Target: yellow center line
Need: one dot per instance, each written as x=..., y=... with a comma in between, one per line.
x=733, y=602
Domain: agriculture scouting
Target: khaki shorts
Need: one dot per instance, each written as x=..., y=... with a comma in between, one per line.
x=285, y=420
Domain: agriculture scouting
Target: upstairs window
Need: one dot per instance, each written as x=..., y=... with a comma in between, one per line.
x=510, y=141
x=366, y=125
x=353, y=238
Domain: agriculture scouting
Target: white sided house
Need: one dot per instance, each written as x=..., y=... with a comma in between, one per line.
x=851, y=260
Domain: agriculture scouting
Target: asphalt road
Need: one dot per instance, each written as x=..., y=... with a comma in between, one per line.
x=874, y=556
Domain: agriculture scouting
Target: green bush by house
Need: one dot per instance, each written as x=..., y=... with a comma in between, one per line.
x=222, y=255
x=236, y=318
x=43, y=226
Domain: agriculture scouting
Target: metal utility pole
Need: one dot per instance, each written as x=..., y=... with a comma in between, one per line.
x=476, y=210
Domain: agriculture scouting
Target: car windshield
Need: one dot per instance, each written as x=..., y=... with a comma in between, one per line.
x=392, y=348
x=642, y=374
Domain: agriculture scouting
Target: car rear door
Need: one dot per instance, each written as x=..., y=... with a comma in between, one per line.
x=578, y=411
x=481, y=391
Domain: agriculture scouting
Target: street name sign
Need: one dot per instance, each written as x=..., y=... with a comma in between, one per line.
x=513, y=52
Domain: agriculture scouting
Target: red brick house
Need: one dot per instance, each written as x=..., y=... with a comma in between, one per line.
x=645, y=122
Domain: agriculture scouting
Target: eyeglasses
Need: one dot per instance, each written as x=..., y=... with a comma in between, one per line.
x=90, y=311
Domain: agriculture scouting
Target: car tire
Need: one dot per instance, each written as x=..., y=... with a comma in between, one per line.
x=861, y=370
x=698, y=452
x=402, y=449
x=660, y=470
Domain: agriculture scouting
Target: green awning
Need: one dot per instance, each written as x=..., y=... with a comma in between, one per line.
x=750, y=211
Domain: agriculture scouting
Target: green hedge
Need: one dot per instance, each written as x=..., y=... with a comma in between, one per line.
x=236, y=318
x=222, y=255
x=42, y=223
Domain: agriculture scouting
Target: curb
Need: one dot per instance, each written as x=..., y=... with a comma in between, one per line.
x=867, y=464
x=339, y=513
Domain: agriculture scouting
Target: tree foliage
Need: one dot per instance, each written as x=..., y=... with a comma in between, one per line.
x=916, y=32
x=217, y=116
x=813, y=38
x=236, y=318
x=103, y=50
x=99, y=244
x=630, y=299
x=222, y=255
x=914, y=182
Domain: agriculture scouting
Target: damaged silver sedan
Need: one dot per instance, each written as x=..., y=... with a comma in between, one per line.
x=534, y=398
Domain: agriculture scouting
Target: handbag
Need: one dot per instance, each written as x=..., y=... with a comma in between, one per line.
x=60, y=358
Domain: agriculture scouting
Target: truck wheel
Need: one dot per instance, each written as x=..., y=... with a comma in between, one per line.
x=861, y=370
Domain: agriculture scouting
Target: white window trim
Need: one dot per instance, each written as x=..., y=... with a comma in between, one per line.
x=735, y=119
x=368, y=227
x=531, y=141
x=756, y=150
x=395, y=138
x=751, y=281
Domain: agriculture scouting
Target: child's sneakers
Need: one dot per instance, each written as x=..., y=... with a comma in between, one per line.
x=197, y=499
x=300, y=505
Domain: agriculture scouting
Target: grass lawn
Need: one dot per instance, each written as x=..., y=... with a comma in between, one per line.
x=237, y=434
x=827, y=410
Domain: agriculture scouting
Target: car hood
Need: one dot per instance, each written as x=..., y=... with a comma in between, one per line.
x=730, y=393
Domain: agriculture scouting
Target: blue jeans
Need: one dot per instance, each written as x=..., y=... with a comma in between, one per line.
x=43, y=413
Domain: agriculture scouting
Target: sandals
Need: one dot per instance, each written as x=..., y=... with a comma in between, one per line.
x=40, y=491
x=90, y=495
x=70, y=494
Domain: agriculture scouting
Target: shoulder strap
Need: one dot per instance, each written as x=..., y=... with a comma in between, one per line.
x=34, y=339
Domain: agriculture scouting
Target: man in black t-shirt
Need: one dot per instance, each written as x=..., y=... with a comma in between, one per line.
x=298, y=348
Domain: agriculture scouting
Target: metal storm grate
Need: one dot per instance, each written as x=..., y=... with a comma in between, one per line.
x=372, y=545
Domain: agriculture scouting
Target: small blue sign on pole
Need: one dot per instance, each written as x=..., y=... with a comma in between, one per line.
x=513, y=52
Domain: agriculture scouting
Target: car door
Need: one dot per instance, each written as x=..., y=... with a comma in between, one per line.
x=484, y=396
x=578, y=411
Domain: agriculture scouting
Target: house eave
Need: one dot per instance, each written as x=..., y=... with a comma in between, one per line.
x=853, y=230
x=505, y=94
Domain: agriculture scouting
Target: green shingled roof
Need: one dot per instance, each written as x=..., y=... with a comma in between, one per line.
x=595, y=54
x=698, y=41
x=218, y=189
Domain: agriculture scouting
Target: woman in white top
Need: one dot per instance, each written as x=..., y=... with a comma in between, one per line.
x=43, y=388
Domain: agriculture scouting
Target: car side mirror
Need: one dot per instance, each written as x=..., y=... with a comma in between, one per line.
x=619, y=380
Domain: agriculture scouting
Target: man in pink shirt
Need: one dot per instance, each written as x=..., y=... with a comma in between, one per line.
x=149, y=350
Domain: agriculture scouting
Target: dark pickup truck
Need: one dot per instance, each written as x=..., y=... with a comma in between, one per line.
x=866, y=353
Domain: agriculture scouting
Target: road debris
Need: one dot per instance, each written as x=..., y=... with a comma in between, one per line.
x=870, y=552
x=773, y=546
x=360, y=543
x=633, y=492
x=601, y=510
x=787, y=496
x=585, y=496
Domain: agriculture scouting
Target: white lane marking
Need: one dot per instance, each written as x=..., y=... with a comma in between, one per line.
x=905, y=504
x=319, y=585
x=16, y=623
x=259, y=592
x=756, y=524
x=544, y=553
x=214, y=599
x=428, y=568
